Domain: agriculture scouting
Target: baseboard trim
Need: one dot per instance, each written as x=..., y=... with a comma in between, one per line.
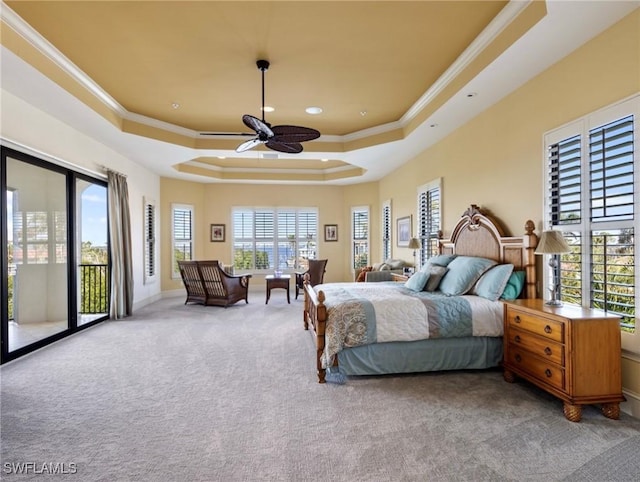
x=147, y=301
x=632, y=405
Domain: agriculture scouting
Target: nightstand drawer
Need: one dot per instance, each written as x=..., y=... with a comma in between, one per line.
x=545, y=371
x=550, y=329
x=544, y=348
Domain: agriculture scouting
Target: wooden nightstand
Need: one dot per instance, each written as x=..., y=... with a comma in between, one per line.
x=571, y=352
x=399, y=278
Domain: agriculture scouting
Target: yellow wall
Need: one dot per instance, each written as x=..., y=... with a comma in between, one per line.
x=496, y=159
x=213, y=204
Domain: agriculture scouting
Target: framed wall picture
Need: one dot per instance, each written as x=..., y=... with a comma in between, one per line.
x=330, y=232
x=404, y=231
x=217, y=233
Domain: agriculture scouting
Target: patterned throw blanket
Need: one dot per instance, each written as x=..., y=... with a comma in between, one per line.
x=365, y=313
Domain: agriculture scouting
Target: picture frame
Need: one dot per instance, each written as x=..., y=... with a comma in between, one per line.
x=403, y=234
x=217, y=233
x=330, y=232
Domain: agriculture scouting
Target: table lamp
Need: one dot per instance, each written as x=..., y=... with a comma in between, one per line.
x=553, y=243
x=414, y=243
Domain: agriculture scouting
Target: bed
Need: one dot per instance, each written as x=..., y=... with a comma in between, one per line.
x=386, y=327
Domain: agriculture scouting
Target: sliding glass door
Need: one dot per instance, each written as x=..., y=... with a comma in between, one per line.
x=91, y=251
x=44, y=241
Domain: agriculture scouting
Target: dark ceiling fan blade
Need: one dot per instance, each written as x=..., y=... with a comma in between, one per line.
x=288, y=134
x=245, y=146
x=257, y=125
x=289, y=148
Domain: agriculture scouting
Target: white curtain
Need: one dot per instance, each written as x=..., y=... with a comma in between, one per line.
x=121, y=304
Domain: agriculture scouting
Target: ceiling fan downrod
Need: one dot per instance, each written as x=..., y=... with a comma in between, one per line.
x=263, y=66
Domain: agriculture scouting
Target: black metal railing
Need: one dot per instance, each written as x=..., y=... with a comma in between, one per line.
x=94, y=288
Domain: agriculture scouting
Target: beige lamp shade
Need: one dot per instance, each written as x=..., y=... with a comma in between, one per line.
x=552, y=242
x=414, y=243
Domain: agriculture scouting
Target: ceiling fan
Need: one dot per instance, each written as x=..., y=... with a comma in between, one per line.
x=283, y=138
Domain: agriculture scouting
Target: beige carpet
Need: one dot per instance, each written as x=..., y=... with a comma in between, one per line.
x=192, y=393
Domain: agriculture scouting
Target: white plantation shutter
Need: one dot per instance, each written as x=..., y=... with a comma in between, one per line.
x=591, y=198
x=269, y=238
x=386, y=230
x=182, y=234
x=428, y=220
x=360, y=237
x=149, y=241
x=565, y=180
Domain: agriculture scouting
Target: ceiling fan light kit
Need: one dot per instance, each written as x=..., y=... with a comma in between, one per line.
x=283, y=138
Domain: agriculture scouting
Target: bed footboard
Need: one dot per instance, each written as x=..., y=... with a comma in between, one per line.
x=315, y=315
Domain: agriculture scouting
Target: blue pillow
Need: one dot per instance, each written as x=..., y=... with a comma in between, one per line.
x=514, y=286
x=440, y=260
x=463, y=273
x=417, y=281
x=492, y=283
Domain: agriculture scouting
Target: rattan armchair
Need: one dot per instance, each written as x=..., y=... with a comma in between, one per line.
x=317, y=268
x=208, y=284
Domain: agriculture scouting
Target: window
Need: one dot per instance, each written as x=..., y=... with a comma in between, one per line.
x=268, y=238
x=360, y=237
x=182, y=235
x=149, y=241
x=591, y=198
x=386, y=230
x=428, y=220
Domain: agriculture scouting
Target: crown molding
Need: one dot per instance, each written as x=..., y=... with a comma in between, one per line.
x=14, y=21
x=507, y=15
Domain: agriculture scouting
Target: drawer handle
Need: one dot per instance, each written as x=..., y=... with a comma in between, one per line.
x=517, y=339
x=518, y=358
x=547, y=329
x=547, y=351
x=547, y=372
x=517, y=319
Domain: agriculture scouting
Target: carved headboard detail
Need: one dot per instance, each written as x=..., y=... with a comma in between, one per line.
x=477, y=233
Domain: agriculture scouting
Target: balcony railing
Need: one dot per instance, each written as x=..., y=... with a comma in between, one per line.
x=94, y=288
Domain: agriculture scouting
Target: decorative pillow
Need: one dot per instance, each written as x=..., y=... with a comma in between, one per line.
x=442, y=259
x=436, y=273
x=492, y=283
x=514, y=286
x=363, y=274
x=384, y=267
x=377, y=266
x=394, y=263
x=417, y=281
x=463, y=273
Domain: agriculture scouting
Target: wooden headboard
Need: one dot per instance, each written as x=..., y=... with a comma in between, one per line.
x=478, y=234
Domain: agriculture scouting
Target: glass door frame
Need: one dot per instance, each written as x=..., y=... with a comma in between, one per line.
x=72, y=259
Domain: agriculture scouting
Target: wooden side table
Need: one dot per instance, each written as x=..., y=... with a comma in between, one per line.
x=281, y=281
x=569, y=351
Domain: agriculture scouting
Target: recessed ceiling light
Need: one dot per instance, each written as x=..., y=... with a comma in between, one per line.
x=472, y=94
x=268, y=108
x=363, y=113
x=433, y=125
x=222, y=157
x=313, y=110
x=324, y=160
x=175, y=105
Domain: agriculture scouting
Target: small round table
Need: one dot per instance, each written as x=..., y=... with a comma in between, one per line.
x=281, y=281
